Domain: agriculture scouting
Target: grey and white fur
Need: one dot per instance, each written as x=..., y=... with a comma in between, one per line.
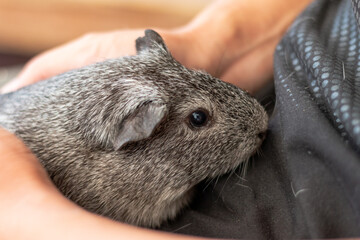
x=116, y=137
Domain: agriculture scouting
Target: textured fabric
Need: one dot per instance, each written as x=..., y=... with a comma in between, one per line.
x=306, y=182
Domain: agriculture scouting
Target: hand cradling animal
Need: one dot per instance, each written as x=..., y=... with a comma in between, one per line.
x=129, y=138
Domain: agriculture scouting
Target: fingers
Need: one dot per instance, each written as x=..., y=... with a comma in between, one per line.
x=88, y=49
x=51, y=63
x=39, y=68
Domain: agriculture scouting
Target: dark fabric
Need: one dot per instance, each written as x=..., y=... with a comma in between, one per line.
x=306, y=182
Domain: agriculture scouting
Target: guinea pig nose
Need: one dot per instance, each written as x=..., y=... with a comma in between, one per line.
x=262, y=135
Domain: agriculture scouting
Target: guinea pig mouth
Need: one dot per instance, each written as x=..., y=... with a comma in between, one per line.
x=259, y=139
x=261, y=136
x=255, y=151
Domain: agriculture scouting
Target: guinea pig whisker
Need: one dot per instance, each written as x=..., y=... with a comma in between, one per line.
x=266, y=105
x=244, y=167
x=227, y=179
x=226, y=206
x=245, y=186
x=208, y=184
x=182, y=227
x=217, y=179
x=268, y=97
x=241, y=178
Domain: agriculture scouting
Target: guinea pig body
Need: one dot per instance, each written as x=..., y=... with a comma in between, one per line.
x=129, y=138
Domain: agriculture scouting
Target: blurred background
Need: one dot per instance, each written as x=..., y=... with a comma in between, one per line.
x=28, y=27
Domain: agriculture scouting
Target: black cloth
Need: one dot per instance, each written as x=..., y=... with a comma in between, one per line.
x=306, y=182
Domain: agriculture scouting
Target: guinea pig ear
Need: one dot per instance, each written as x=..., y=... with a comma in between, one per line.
x=151, y=40
x=140, y=124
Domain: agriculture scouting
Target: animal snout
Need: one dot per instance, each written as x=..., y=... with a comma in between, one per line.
x=262, y=128
x=261, y=136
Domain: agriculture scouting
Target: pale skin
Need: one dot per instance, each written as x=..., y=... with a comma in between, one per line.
x=231, y=39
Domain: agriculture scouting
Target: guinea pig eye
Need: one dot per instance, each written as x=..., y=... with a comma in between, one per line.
x=198, y=118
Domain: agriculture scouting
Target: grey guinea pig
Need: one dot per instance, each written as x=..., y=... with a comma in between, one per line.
x=129, y=138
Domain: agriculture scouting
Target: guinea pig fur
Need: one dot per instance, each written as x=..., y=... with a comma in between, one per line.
x=129, y=138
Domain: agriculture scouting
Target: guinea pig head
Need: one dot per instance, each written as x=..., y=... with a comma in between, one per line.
x=191, y=124
x=210, y=126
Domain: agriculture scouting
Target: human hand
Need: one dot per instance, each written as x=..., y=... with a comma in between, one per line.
x=32, y=208
x=231, y=39
x=88, y=49
x=183, y=44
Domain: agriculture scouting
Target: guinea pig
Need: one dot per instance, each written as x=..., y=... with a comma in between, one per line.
x=129, y=138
